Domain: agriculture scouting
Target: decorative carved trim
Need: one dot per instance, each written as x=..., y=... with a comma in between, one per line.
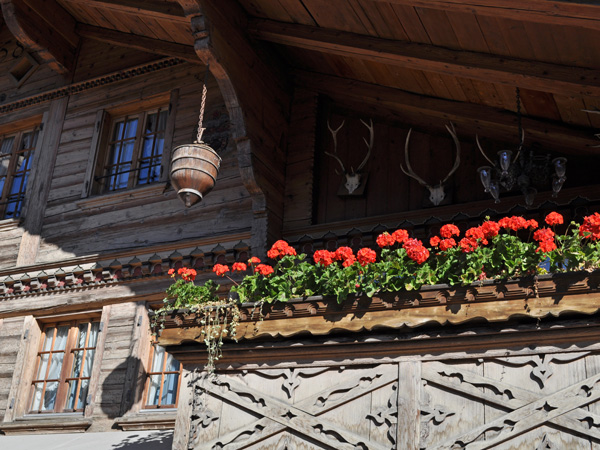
x=82, y=86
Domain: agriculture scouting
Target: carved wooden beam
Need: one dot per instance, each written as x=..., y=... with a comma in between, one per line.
x=577, y=13
x=553, y=78
x=157, y=9
x=145, y=44
x=43, y=27
x=487, y=121
x=258, y=100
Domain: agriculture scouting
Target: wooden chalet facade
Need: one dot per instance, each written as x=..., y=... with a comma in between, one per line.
x=95, y=95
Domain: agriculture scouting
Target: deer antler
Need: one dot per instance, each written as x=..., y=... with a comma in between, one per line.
x=410, y=172
x=483, y=153
x=334, y=135
x=369, y=144
x=518, y=150
x=452, y=132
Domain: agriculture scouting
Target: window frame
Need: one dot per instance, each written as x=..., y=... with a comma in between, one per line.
x=65, y=375
x=100, y=152
x=17, y=130
x=162, y=373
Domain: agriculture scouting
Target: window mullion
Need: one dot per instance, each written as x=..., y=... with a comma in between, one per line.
x=137, y=150
x=61, y=396
x=12, y=162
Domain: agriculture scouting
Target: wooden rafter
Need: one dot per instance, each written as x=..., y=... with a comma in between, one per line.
x=487, y=121
x=146, y=44
x=578, y=13
x=157, y=9
x=43, y=27
x=553, y=78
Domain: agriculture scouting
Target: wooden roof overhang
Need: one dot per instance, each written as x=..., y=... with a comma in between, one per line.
x=454, y=60
x=419, y=63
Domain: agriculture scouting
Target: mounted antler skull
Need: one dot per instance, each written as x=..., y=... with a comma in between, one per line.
x=354, y=177
x=437, y=193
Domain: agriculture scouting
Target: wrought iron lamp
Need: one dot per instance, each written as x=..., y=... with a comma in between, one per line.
x=527, y=171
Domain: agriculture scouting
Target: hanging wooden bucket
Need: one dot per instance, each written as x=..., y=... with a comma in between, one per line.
x=194, y=169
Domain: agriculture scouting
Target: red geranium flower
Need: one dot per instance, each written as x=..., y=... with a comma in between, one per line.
x=447, y=244
x=400, y=236
x=554, y=218
x=324, y=257
x=544, y=234
x=590, y=228
x=449, y=230
x=254, y=260
x=434, y=241
x=366, y=256
x=281, y=249
x=264, y=269
x=171, y=272
x=344, y=253
x=349, y=261
x=468, y=245
x=385, y=240
x=186, y=274
x=533, y=224
x=514, y=223
x=546, y=246
x=490, y=229
x=477, y=234
x=220, y=269
x=239, y=266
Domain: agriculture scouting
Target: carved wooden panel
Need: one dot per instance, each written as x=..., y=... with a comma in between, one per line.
x=533, y=401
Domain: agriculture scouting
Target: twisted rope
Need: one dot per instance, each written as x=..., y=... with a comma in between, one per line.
x=202, y=106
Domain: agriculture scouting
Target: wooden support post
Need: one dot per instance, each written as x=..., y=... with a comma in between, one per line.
x=39, y=187
x=409, y=401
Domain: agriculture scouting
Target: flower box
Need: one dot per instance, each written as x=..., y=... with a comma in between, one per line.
x=539, y=297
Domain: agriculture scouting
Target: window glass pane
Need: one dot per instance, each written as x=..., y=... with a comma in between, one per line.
x=61, y=338
x=48, y=339
x=82, y=335
x=157, y=361
x=89, y=362
x=153, y=390
x=77, y=360
x=118, y=132
x=55, y=366
x=43, y=367
x=93, y=334
x=50, y=396
x=150, y=123
x=4, y=162
x=169, y=393
x=83, y=392
x=6, y=146
x=172, y=364
x=131, y=129
x=71, y=394
x=37, y=396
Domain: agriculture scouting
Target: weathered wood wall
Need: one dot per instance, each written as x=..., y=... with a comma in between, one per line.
x=529, y=396
x=71, y=231
x=11, y=333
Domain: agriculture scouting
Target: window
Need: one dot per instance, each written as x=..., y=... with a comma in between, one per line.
x=16, y=156
x=162, y=384
x=64, y=366
x=135, y=150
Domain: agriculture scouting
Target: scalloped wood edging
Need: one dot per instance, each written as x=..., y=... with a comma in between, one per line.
x=538, y=298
